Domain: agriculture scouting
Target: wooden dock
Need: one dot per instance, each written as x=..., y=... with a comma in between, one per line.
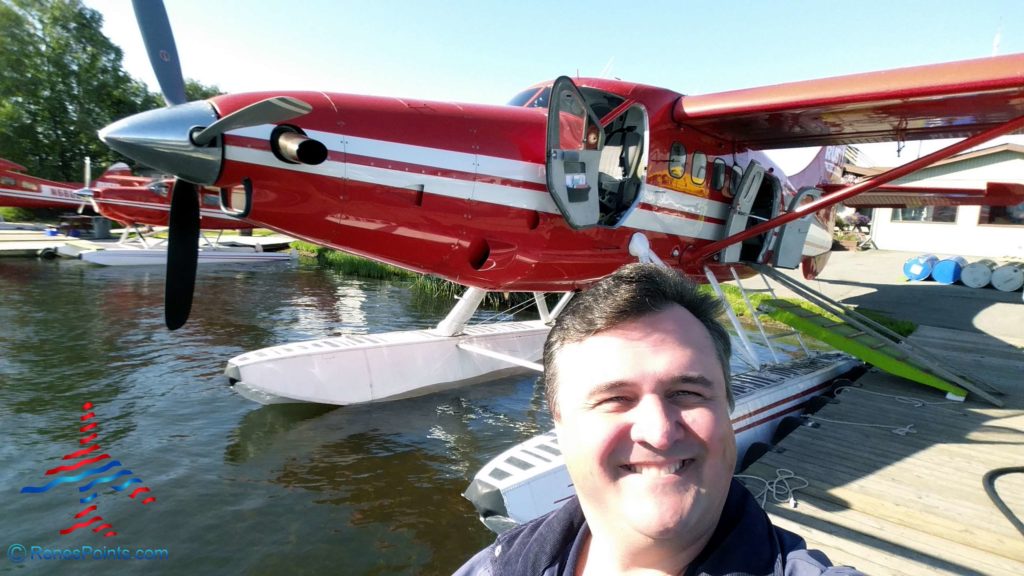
x=911, y=504
x=21, y=243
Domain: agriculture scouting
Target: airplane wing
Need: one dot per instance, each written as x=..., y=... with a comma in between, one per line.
x=996, y=194
x=949, y=100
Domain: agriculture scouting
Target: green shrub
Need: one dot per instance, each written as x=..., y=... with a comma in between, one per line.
x=17, y=215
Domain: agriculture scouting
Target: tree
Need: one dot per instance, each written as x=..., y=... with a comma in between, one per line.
x=61, y=80
x=194, y=90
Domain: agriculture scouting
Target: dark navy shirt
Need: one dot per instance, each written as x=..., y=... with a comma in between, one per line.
x=744, y=542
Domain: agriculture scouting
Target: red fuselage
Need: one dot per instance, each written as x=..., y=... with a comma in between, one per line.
x=19, y=190
x=151, y=205
x=459, y=191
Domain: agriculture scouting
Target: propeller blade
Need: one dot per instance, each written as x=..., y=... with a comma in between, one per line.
x=269, y=111
x=163, y=55
x=182, y=253
x=86, y=195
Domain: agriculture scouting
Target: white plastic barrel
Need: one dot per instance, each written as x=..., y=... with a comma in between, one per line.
x=977, y=274
x=1008, y=277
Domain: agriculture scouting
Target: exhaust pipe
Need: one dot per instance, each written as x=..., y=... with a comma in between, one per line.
x=292, y=146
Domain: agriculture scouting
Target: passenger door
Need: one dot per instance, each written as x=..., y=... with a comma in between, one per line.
x=574, y=142
x=747, y=190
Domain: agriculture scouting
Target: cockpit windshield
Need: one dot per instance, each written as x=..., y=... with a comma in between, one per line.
x=600, y=102
x=536, y=97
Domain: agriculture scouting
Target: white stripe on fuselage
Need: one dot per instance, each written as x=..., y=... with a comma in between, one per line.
x=503, y=195
x=161, y=207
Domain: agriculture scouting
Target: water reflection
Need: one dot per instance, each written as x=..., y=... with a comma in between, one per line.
x=396, y=468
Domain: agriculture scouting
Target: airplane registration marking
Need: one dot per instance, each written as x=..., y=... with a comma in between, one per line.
x=38, y=196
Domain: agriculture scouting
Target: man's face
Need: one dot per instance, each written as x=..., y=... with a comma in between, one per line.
x=644, y=426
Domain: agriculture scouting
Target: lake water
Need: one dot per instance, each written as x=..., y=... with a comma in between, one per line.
x=240, y=488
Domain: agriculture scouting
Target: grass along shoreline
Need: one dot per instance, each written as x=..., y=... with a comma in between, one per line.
x=435, y=293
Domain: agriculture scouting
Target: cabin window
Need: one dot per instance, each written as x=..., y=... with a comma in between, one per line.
x=925, y=214
x=699, y=168
x=1002, y=215
x=718, y=174
x=677, y=160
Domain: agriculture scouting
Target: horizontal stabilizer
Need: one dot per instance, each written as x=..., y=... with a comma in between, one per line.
x=8, y=165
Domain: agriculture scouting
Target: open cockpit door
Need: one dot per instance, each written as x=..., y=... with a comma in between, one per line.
x=574, y=142
x=746, y=192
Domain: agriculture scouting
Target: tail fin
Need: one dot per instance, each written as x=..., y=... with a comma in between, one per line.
x=825, y=168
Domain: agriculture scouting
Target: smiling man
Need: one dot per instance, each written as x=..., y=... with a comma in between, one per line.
x=636, y=376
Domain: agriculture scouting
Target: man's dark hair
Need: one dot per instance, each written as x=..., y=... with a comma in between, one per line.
x=633, y=291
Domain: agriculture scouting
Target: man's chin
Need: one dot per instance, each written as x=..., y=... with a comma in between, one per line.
x=658, y=519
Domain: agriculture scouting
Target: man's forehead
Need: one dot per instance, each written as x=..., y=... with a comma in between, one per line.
x=672, y=331
x=673, y=320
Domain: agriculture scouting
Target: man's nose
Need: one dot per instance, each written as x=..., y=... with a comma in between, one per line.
x=655, y=423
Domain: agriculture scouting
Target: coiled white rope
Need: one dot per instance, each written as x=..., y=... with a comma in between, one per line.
x=916, y=402
x=781, y=488
x=898, y=430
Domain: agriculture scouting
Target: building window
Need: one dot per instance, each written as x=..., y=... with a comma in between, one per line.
x=925, y=214
x=1002, y=215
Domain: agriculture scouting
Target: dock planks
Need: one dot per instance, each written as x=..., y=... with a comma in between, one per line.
x=912, y=504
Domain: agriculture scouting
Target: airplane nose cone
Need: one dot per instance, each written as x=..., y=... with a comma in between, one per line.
x=161, y=139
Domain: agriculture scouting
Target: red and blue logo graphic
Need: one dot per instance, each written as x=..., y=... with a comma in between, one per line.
x=78, y=471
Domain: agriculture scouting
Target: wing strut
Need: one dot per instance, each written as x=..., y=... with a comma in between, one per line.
x=698, y=257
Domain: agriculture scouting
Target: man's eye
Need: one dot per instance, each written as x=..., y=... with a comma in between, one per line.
x=685, y=394
x=612, y=400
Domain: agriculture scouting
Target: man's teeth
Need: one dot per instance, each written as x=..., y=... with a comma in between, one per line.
x=655, y=469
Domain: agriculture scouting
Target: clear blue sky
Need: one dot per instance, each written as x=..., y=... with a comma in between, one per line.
x=486, y=51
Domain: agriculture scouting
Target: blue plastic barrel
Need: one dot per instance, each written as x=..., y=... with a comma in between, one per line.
x=948, y=271
x=919, y=267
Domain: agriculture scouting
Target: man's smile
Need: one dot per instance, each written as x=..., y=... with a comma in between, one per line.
x=656, y=469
